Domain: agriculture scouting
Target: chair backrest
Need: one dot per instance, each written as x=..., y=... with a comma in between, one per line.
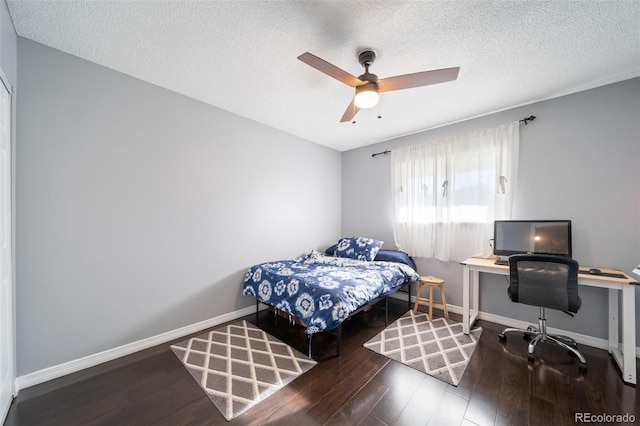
x=544, y=280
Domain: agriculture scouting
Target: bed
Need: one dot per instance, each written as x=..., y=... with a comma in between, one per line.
x=320, y=291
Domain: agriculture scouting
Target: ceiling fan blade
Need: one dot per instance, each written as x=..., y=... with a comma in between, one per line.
x=330, y=69
x=418, y=79
x=351, y=111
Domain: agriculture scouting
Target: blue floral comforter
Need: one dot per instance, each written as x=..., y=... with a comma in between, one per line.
x=322, y=291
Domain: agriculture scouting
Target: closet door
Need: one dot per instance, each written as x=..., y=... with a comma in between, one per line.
x=7, y=362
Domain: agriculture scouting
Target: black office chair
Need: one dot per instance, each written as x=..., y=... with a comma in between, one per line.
x=547, y=282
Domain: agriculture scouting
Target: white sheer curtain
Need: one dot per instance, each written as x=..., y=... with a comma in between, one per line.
x=448, y=192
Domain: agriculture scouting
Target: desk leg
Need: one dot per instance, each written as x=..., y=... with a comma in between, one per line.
x=614, y=339
x=470, y=291
x=629, y=334
x=623, y=353
x=475, y=297
x=466, y=278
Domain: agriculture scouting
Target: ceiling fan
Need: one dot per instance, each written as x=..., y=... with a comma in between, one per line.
x=368, y=85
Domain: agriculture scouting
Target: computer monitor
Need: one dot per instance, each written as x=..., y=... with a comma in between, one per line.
x=532, y=236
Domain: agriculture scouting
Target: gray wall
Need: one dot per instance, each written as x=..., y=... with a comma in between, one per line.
x=579, y=160
x=139, y=210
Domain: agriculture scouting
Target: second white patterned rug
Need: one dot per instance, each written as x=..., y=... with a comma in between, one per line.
x=438, y=348
x=239, y=365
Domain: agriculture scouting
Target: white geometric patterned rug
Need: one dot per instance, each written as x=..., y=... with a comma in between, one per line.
x=239, y=365
x=438, y=348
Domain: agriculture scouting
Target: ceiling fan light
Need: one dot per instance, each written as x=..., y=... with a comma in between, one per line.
x=366, y=95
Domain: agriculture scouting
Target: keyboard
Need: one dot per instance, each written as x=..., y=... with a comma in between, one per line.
x=601, y=274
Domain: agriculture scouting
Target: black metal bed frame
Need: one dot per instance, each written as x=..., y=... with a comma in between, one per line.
x=337, y=332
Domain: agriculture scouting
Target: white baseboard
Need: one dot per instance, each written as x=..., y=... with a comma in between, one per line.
x=73, y=366
x=582, y=339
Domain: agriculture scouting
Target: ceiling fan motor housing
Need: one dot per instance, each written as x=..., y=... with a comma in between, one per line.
x=366, y=57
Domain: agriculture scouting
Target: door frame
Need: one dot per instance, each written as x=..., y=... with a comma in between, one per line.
x=12, y=360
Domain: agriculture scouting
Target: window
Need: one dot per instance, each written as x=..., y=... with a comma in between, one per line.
x=448, y=192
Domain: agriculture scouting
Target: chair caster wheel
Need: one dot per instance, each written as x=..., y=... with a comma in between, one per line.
x=530, y=357
x=582, y=367
x=502, y=337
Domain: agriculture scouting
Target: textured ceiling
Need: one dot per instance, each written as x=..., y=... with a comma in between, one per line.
x=241, y=55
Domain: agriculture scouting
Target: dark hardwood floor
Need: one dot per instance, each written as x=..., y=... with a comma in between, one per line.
x=499, y=387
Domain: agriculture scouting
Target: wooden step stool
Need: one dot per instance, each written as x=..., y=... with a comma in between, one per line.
x=431, y=282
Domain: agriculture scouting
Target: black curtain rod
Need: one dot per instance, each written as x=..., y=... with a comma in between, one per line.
x=530, y=118
x=524, y=120
x=381, y=153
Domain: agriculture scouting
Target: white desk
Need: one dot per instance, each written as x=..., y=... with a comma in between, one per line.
x=623, y=352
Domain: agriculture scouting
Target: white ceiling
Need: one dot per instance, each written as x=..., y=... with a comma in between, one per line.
x=241, y=55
